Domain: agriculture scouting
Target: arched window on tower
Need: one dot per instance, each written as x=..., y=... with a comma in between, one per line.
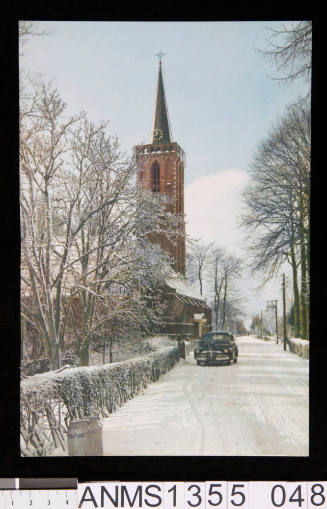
x=155, y=178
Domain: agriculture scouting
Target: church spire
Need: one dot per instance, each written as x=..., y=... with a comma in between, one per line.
x=161, y=130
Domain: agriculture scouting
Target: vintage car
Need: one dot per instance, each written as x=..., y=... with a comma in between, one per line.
x=216, y=347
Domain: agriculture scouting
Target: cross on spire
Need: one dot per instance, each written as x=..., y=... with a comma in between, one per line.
x=160, y=55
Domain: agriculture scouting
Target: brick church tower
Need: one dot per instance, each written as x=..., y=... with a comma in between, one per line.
x=161, y=169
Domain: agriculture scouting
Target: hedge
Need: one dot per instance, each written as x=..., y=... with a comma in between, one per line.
x=300, y=347
x=51, y=400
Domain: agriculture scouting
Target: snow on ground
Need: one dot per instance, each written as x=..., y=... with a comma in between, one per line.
x=160, y=341
x=257, y=407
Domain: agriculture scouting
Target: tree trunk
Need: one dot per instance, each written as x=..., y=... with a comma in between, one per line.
x=224, y=304
x=110, y=349
x=304, y=295
x=217, y=300
x=84, y=354
x=23, y=338
x=200, y=281
x=304, y=287
x=308, y=285
x=54, y=356
x=296, y=296
x=216, y=308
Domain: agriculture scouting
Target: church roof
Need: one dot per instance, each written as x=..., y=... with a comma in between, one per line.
x=182, y=286
x=161, y=129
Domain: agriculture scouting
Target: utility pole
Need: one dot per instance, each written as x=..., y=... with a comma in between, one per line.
x=261, y=325
x=284, y=312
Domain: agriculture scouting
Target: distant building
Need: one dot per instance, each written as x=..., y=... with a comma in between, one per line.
x=161, y=170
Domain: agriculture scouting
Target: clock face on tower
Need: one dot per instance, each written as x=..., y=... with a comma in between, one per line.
x=157, y=134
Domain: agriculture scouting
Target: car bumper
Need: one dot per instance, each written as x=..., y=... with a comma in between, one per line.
x=213, y=358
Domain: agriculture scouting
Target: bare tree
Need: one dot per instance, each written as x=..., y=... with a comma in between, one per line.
x=290, y=51
x=94, y=198
x=230, y=270
x=217, y=269
x=278, y=201
x=87, y=259
x=197, y=261
x=217, y=275
x=44, y=136
x=26, y=30
x=254, y=327
x=121, y=271
x=234, y=313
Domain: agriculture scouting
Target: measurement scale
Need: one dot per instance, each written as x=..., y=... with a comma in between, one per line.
x=171, y=495
x=38, y=499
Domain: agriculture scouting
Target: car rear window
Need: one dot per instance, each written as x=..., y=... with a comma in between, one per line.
x=216, y=337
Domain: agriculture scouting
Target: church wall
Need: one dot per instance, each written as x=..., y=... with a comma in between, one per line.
x=180, y=315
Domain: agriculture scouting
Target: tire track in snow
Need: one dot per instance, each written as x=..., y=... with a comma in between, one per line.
x=258, y=407
x=187, y=389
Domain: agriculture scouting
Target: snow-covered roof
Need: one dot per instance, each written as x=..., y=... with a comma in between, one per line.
x=199, y=316
x=182, y=286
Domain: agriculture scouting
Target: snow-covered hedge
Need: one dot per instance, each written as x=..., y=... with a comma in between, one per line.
x=50, y=400
x=299, y=346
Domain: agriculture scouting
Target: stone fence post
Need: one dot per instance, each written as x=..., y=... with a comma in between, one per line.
x=84, y=437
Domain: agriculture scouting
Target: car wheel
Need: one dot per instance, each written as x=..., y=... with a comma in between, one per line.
x=198, y=363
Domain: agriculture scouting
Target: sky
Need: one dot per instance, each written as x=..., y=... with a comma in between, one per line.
x=221, y=103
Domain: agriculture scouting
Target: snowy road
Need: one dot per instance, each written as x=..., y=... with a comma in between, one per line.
x=256, y=407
